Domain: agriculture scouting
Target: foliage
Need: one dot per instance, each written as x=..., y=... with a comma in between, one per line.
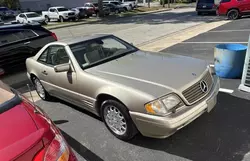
x=14, y=4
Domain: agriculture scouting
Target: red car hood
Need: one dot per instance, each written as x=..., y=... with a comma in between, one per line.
x=18, y=134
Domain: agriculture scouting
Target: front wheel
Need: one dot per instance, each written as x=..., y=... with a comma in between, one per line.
x=117, y=119
x=47, y=19
x=61, y=19
x=233, y=14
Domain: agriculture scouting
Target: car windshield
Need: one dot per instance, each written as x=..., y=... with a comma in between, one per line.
x=32, y=15
x=62, y=9
x=97, y=51
x=95, y=4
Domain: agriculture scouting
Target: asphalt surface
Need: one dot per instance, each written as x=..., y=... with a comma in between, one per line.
x=222, y=135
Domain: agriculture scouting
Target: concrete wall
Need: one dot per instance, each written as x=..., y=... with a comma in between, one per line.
x=39, y=5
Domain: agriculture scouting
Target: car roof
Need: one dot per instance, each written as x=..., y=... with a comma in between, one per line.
x=27, y=12
x=75, y=40
x=58, y=7
x=9, y=26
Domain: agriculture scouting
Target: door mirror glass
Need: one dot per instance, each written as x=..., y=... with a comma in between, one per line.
x=62, y=67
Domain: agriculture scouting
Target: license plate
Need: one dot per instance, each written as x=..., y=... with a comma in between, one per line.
x=211, y=103
x=204, y=6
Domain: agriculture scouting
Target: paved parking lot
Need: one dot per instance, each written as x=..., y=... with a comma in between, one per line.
x=222, y=135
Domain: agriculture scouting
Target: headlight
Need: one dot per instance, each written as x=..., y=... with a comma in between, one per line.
x=162, y=106
x=65, y=14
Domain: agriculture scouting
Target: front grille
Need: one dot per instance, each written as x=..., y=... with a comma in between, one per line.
x=71, y=14
x=195, y=93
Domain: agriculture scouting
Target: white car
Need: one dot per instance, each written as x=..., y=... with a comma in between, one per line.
x=59, y=13
x=30, y=17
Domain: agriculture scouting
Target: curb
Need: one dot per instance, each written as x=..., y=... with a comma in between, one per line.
x=106, y=19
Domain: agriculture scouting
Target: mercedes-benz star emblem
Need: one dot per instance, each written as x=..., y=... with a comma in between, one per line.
x=203, y=86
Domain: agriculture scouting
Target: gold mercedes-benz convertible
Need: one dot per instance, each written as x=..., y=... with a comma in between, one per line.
x=133, y=91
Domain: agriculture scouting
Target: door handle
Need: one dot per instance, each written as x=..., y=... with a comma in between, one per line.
x=44, y=72
x=26, y=43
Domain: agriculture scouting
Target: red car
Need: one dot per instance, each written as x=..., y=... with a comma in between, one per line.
x=26, y=132
x=234, y=9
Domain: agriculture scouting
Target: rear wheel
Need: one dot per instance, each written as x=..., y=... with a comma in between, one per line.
x=42, y=93
x=117, y=119
x=233, y=14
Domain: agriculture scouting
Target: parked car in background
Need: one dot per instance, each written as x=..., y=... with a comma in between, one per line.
x=234, y=9
x=59, y=13
x=80, y=13
x=121, y=7
x=90, y=8
x=7, y=13
x=125, y=6
x=132, y=3
x=93, y=73
x=30, y=17
x=20, y=41
x=113, y=8
x=106, y=9
x=206, y=6
x=27, y=133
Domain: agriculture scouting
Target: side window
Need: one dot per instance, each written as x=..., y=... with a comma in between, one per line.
x=22, y=16
x=54, y=55
x=43, y=57
x=52, y=10
x=11, y=36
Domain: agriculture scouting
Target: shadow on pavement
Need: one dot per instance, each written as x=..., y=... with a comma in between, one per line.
x=222, y=135
x=80, y=149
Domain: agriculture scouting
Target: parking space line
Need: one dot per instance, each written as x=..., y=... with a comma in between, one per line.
x=218, y=42
x=224, y=90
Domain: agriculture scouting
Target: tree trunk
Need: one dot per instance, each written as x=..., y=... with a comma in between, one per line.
x=100, y=8
x=148, y=3
x=168, y=3
x=163, y=3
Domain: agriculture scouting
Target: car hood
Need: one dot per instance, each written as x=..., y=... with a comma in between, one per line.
x=67, y=12
x=155, y=73
x=18, y=132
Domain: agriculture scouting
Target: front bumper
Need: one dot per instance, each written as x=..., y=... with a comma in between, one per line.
x=205, y=10
x=162, y=127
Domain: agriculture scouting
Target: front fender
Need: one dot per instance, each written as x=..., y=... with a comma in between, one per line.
x=133, y=99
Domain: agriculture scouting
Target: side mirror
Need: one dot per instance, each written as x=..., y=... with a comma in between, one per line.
x=62, y=67
x=1, y=72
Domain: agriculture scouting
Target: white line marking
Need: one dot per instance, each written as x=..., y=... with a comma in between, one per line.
x=214, y=42
x=224, y=90
x=243, y=30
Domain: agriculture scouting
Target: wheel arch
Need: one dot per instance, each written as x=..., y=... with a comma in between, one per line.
x=232, y=9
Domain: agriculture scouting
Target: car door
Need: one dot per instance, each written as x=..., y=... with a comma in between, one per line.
x=13, y=51
x=52, y=13
x=244, y=6
x=60, y=84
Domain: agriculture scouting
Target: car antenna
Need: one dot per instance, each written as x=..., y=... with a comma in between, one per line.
x=35, y=110
x=30, y=93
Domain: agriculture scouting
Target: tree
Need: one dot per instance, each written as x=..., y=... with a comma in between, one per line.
x=148, y=3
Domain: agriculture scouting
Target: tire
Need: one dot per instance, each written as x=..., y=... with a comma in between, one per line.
x=39, y=88
x=116, y=11
x=118, y=111
x=233, y=14
x=199, y=13
x=125, y=9
x=47, y=20
x=61, y=19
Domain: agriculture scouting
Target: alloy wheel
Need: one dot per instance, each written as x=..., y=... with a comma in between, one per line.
x=115, y=120
x=39, y=88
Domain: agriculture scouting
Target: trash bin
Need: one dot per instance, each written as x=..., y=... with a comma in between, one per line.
x=229, y=60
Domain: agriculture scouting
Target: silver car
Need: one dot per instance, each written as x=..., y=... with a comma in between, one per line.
x=132, y=90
